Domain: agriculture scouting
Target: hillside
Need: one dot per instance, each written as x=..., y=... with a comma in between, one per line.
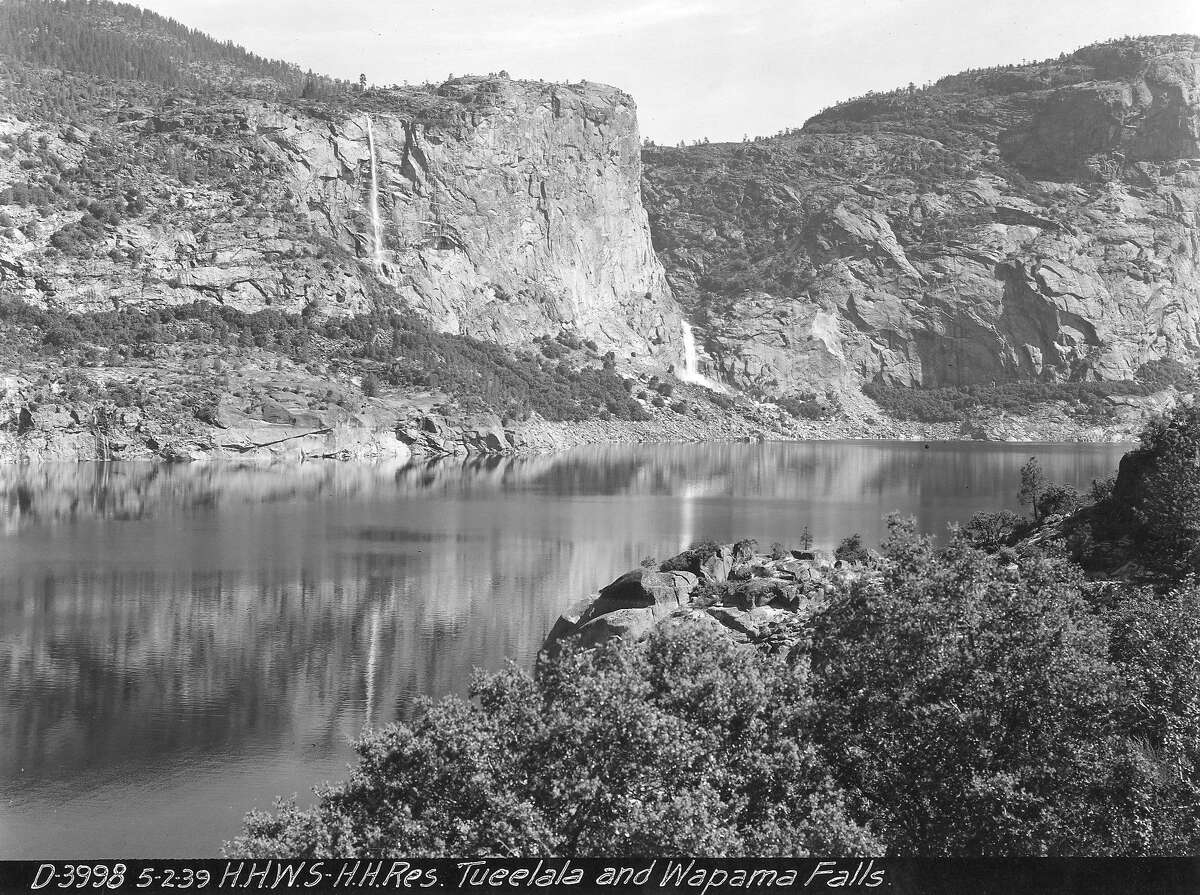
x=204, y=252
x=1026, y=223
x=274, y=256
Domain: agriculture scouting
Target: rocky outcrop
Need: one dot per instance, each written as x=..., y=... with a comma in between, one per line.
x=765, y=600
x=1035, y=222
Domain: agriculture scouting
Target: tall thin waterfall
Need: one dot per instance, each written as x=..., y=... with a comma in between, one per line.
x=373, y=202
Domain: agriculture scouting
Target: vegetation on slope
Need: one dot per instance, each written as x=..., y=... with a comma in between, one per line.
x=123, y=42
x=1085, y=400
x=565, y=380
x=984, y=698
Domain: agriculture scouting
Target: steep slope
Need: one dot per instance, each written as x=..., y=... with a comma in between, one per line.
x=506, y=211
x=229, y=220
x=1037, y=222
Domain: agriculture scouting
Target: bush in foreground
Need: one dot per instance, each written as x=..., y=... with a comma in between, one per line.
x=974, y=710
x=945, y=703
x=684, y=743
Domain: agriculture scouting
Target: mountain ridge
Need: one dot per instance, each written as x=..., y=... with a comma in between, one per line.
x=243, y=257
x=913, y=239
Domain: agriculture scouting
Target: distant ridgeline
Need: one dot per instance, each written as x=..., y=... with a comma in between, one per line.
x=1032, y=222
x=1001, y=244
x=122, y=42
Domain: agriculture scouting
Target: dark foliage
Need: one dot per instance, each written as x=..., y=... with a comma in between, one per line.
x=944, y=404
x=949, y=702
x=386, y=345
x=852, y=549
x=120, y=41
x=683, y=743
x=991, y=531
x=692, y=559
x=975, y=711
x=809, y=407
x=1156, y=497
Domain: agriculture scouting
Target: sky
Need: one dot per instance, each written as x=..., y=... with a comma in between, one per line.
x=716, y=69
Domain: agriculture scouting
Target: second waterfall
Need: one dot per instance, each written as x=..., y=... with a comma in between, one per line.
x=373, y=201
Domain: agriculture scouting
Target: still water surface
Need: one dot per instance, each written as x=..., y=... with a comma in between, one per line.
x=180, y=644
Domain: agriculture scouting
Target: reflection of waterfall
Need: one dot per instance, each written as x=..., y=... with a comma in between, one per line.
x=372, y=661
x=373, y=202
x=687, y=517
x=691, y=370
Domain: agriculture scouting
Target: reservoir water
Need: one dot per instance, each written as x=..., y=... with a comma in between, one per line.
x=179, y=644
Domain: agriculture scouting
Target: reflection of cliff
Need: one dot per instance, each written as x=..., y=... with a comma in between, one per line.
x=57, y=492
x=101, y=670
x=217, y=609
x=42, y=494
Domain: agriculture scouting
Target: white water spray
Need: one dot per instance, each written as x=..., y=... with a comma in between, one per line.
x=691, y=370
x=689, y=352
x=373, y=202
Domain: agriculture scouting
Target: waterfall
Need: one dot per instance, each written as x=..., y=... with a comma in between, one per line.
x=689, y=352
x=373, y=202
x=691, y=369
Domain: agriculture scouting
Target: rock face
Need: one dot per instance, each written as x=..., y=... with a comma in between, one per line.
x=504, y=210
x=1035, y=222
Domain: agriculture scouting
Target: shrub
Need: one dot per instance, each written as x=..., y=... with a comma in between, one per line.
x=1087, y=400
x=1155, y=640
x=692, y=559
x=805, y=407
x=743, y=550
x=681, y=743
x=479, y=374
x=1164, y=372
x=1057, y=500
x=976, y=714
x=991, y=531
x=1033, y=483
x=1157, y=492
x=852, y=549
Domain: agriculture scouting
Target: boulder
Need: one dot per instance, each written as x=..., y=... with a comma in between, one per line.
x=625, y=623
x=735, y=619
x=643, y=587
x=716, y=568
x=741, y=572
x=566, y=624
x=762, y=592
x=272, y=412
x=483, y=434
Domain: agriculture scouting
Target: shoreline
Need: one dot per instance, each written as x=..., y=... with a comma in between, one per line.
x=62, y=453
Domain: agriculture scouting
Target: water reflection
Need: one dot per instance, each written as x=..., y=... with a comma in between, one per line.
x=178, y=644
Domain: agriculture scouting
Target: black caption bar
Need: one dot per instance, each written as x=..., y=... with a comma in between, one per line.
x=700, y=876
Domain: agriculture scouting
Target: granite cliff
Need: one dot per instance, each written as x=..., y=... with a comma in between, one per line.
x=207, y=253
x=477, y=245
x=1028, y=222
x=506, y=211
